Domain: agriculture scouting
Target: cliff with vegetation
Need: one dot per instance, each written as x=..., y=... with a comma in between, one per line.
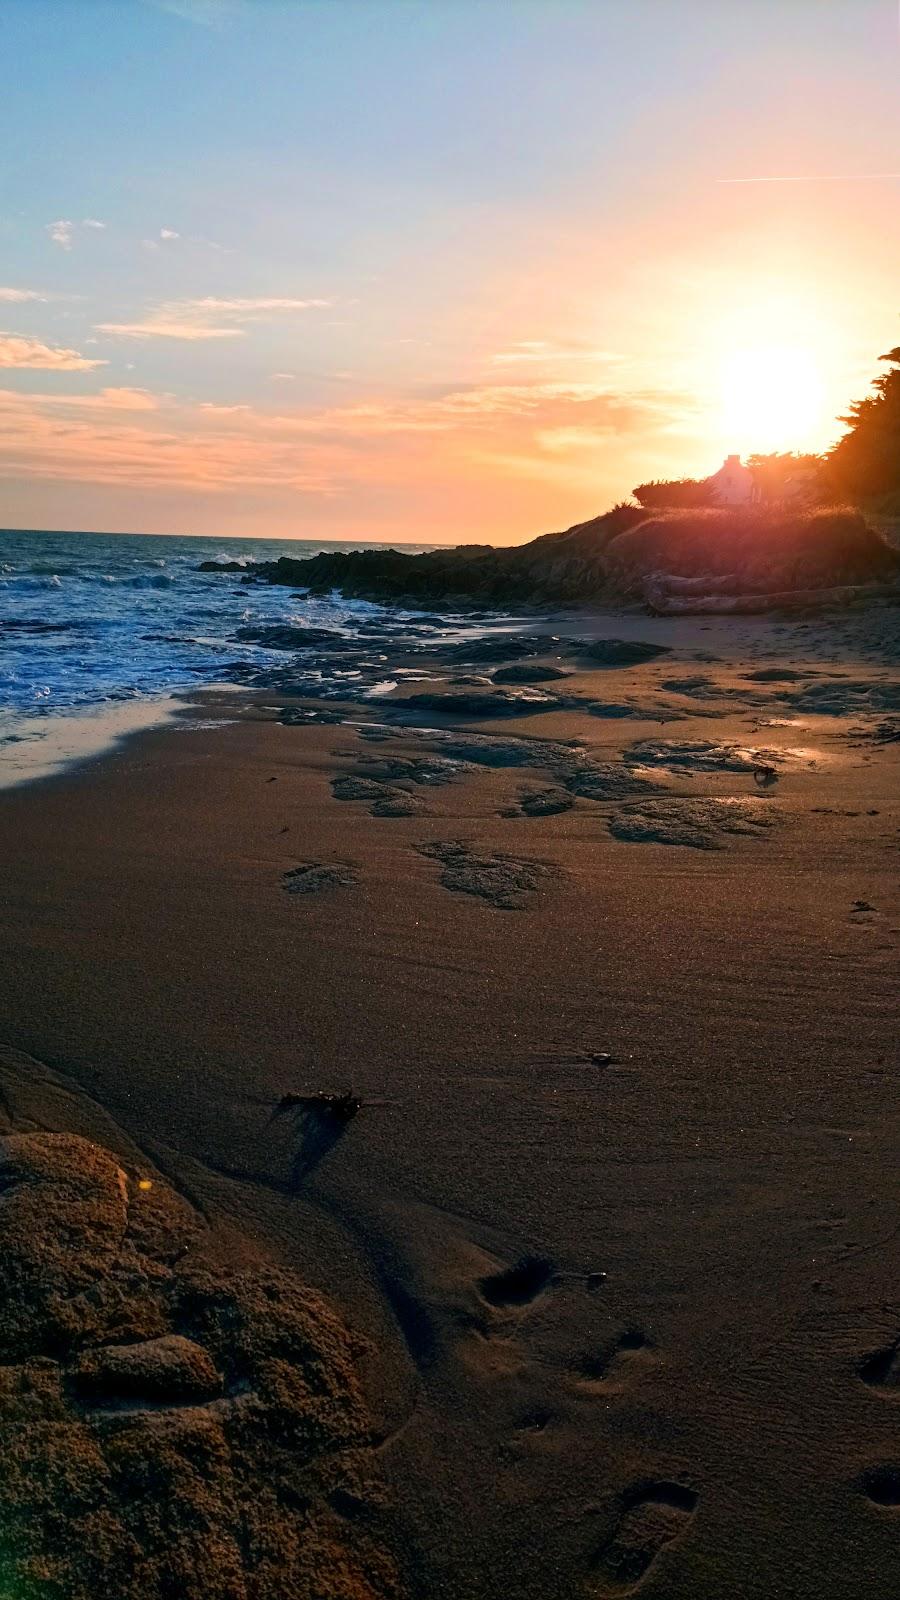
x=621, y=556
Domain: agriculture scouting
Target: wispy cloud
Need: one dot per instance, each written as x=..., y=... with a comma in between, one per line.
x=168, y=233
x=523, y=433
x=61, y=233
x=253, y=307
x=165, y=327
x=208, y=318
x=19, y=296
x=542, y=350
x=817, y=177
x=64, y=230
x=32, y=354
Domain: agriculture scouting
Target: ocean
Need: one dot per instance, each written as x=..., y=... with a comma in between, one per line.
x=99, y=631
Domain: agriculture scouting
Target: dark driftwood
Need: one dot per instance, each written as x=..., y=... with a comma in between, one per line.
x=672, y=597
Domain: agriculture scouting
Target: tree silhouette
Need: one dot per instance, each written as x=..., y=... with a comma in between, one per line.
x=786, y=475
x=664, y=493
x=866, y=461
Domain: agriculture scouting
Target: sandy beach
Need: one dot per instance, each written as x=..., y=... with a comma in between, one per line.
x=622, y=1241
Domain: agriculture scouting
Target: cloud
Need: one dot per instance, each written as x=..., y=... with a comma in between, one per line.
x=490, y=438
x=160, y=328
x=117, y=399
x=203, y=318
x=245, y=308
x=283, y=377
x=30, y=354
x=818, y=177
x=15, y=296
x=61, y=233
x=168, y=233
x=543, y=350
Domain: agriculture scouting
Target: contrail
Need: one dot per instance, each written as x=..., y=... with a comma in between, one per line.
x=818, y=177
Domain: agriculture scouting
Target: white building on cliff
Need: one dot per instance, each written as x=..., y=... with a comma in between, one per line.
x=733, y=483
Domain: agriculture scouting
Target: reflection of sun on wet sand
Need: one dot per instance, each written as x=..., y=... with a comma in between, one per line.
x=622, y=963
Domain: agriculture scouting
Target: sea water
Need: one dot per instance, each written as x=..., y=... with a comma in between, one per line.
x=99, y=631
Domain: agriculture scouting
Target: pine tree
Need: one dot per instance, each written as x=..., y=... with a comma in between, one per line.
x=866, y=461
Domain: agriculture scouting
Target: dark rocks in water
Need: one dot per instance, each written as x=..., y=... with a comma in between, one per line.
x=286, y=638
x=502, y=703
x=621, y=652
x=503, y=647
x=523, y=672
x=311, y=877
x=222, y=566
x=35, y=625
x=302, y=716
x=505, y=881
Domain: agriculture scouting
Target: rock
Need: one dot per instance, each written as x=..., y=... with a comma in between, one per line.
x=314, y=876
x=504, y=647
x=286, y=638
x=544, y=802
x=169, y=1426
x=506, y=881
x=621, y=652
x=477, y=707
x=699, y=824
x=607, y=780
x=386, y=801
x=170, y=1368
x=522, y=672
x=222, y=566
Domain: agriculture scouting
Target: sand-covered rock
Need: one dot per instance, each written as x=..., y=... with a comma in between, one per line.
x=168, y=1427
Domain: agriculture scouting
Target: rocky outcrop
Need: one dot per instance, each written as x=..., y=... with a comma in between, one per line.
x=167, y=1426
x=565, y=568
x=623, y=555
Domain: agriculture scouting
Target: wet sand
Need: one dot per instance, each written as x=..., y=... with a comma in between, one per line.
x=625, y=1237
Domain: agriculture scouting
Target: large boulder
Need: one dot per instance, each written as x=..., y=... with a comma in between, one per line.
x=754, y=549
x=167, y=1426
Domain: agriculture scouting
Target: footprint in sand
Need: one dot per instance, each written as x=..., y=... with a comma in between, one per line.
x=610, y=1366
x=652, y=1515
x=518, y=1285
x=882, y=1486
x=881, y=1369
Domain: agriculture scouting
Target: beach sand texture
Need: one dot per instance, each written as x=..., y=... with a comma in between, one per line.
x=622, y=1243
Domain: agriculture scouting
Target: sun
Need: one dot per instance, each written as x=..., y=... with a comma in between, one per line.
x=772, y=397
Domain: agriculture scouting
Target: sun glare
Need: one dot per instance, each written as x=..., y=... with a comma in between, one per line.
x=772, y=397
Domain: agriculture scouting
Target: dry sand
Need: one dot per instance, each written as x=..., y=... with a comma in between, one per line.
x=624, y=1241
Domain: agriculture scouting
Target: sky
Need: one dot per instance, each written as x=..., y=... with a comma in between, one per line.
x=431, y=270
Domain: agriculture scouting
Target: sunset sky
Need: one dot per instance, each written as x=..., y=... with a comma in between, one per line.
x=431, y=269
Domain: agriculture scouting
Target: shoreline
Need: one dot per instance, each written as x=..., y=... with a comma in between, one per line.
x=627, y=1063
